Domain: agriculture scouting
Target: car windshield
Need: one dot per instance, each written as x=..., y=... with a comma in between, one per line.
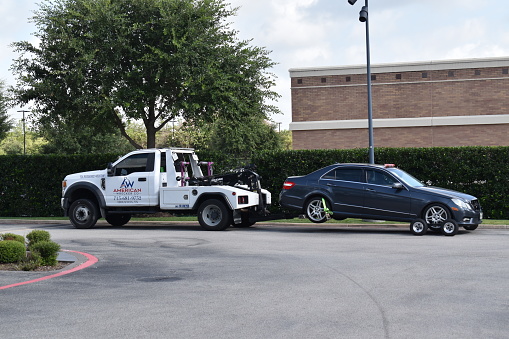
x=407, y=178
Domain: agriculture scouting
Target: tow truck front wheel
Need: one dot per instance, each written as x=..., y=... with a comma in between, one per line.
x=213, y=215
x=83, y=213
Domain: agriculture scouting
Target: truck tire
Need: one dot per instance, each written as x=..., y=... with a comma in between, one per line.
x=213, y=215
x=83, y=213
x=118, y=219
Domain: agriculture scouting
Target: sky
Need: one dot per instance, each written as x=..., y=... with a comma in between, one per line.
x=321, y=33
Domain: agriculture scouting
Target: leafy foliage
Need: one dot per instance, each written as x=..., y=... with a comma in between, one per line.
x=101, y=63
x=5, y=123
x=11, y=251
x=17, y=142
x=38, y=235
x=12, y=236
x=31, y=185
x=47, y=250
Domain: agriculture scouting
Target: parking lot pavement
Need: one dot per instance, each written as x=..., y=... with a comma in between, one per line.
x=269, y=281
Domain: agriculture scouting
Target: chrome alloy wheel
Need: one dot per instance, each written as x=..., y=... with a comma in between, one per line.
x=435, y=215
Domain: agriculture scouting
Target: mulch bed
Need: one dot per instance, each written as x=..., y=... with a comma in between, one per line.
x=16, y=267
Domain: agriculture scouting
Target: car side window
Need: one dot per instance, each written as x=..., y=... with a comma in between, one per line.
x=142, y=162
x=379, y=178
x=345, y=174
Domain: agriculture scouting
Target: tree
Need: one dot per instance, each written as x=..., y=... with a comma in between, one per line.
x=102, y=63
x=5, y=123
x=241, y=140
x=84, y=140
x=16, y=141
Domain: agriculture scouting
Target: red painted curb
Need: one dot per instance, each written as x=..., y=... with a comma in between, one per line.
x=91, y=260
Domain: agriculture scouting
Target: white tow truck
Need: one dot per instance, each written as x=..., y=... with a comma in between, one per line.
x=170, y=179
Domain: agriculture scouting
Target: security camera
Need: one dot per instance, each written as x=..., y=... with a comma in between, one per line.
x=352, y=2
x=363, y=15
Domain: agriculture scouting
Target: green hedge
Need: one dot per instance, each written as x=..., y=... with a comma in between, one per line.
x=31, y=185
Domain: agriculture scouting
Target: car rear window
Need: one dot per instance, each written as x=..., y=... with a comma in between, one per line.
x=345, y=174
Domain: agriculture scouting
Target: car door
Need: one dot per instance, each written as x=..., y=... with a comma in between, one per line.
x=347, y=189
x=382, y=200
x=131, y=181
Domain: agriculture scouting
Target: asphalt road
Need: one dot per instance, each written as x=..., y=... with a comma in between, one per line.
x=265, y=282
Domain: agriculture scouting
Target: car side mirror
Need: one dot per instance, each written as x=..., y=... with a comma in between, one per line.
x=109, y=169
x=397, y=186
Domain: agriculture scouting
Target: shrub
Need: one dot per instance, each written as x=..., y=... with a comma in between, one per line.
x=12, y=236
x=48, y=250
x=11, y=251
x=31, y=262
x=36, y=236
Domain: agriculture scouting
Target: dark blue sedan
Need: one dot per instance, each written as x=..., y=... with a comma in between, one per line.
x=380, y=192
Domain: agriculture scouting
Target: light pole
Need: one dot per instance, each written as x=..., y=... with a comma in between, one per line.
x=173, y=133
x=24, y=134
x=279, y=126
x=363, y=17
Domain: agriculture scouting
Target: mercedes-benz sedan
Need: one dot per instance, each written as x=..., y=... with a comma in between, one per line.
x=379, y=192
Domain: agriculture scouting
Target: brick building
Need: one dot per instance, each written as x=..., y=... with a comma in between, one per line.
x=419, y=104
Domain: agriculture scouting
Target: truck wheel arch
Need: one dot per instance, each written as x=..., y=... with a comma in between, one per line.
x=84, y=191
x=207, y=196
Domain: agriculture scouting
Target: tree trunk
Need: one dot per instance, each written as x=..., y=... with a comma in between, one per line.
x=151, y=136
x=121, y=127
x=150, y=126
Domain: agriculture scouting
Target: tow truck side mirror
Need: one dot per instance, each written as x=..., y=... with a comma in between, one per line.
x=110, y=170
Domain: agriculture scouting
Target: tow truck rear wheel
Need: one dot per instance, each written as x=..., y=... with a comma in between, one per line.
x=213, y=215
x=83, y=213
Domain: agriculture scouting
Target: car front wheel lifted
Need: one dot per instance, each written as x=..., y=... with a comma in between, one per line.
x=436, y=214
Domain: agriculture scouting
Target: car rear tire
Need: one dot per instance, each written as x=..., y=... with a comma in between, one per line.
x=83, y=213
x=213, y=215
x=315, y=210
x=450, y=227
x=436, y=214
x=418, y=227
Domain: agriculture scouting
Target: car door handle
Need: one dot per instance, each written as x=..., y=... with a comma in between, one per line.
x=369, y=189
x=142, y=179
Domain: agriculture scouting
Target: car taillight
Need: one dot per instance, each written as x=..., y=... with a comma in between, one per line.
x=288, y=184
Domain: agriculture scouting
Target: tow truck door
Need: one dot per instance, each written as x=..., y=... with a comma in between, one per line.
x=131, y=183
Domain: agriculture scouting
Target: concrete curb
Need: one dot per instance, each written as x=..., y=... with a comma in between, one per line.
x=195, y=223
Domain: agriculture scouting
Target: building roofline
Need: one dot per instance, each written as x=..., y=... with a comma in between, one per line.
x=417, y=66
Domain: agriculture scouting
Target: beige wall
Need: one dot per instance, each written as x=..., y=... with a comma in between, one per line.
x=465, y=93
